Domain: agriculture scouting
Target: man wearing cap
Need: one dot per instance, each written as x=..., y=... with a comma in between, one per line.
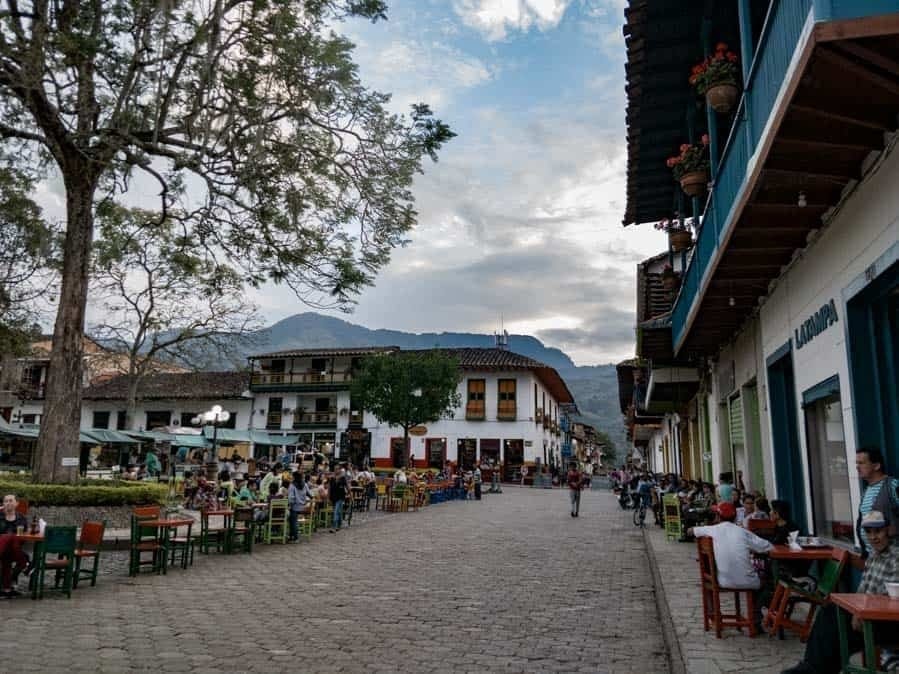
x=733, y=545
x=822, y=652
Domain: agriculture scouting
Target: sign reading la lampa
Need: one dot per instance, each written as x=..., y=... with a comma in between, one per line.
x=815, y=324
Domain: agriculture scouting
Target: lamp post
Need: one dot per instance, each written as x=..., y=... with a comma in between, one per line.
x=214, y=416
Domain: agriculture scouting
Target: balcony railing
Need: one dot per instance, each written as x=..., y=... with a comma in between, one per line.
x=314, y=419
x=777, y=45
x=356, y=417
x=506, y=412
x=273, y=421
x=475, y=411
x=300, y=378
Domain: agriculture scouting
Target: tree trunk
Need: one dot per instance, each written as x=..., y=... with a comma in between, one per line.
x=406, y=445
x=61, y=420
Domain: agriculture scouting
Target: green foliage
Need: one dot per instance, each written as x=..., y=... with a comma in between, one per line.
x=86, y=495
x=387, y=385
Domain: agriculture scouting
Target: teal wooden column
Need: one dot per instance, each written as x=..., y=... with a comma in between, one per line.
x=747, y=48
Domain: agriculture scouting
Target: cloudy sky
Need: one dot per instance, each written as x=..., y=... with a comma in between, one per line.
x=521, y=217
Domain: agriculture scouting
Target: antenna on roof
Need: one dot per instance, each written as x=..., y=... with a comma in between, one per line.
x=501, y=339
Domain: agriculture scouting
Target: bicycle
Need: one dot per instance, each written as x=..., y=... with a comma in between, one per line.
x=639, y=512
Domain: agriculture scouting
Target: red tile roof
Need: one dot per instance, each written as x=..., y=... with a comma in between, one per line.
x=174, y=385
x=326, y=353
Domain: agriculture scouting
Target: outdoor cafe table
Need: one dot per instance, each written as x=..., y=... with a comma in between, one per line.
x=868, y=608
x=164, y=528
x=780, y=553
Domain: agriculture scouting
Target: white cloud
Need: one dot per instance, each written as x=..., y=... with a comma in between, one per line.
x=495, y=17
x=416, y=71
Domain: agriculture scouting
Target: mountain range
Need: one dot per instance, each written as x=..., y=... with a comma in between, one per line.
x=595, y=387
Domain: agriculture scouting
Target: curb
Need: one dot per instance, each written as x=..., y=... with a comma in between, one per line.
x=669, y=636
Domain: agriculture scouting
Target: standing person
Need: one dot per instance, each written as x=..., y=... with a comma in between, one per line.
x=588, y=475
x=880, y=493
x=477, y=481
x=725, y=490
x=151, y=462
x=524, y=473
x=575, y=482
x=298, y=497
x=337, y=494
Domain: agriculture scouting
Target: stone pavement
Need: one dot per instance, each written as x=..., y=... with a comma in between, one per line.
x=701, y=652
x=508, y=584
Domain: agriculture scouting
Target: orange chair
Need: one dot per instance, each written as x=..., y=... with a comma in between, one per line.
x=88, y=548
x=711, y=595
x=788, y=594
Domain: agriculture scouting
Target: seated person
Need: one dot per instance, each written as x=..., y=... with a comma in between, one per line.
x=780, y=513
x=242, y=491
x=11, y=547
x=749, y=511
x=733, y=545
x=822, y=651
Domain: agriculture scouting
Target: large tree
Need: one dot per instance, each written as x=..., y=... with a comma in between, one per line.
x=27, y=247
x=163, y=301
x=247, y=115
x=408, y=388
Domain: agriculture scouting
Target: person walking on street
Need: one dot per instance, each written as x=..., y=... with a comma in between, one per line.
x=477, y=482
x=524, y=473
x=575, y=482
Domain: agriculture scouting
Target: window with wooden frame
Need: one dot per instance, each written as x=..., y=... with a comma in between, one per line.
x=506, y=405
x=475, y=408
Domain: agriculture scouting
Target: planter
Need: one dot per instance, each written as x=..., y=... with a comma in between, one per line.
x=670, y=281
x=722, y=97
x=694, y=183
x=679, y=239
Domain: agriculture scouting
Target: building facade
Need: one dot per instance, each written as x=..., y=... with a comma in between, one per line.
x=787, y=315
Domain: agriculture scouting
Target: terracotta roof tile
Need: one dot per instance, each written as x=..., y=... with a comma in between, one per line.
x=325, y=352
x=172, y=385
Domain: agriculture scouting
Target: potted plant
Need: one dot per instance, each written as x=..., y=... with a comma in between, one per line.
x=717, y=78
x=691, y=167
x=670, y=278
x=679, y=236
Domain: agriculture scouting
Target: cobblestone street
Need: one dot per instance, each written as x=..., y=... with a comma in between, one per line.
x=510, y=584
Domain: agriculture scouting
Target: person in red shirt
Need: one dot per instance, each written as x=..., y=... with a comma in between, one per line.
x=575, y=483
x=11, y=547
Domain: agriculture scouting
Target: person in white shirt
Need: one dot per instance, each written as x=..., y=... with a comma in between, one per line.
x=400, y=477
x=733, y=546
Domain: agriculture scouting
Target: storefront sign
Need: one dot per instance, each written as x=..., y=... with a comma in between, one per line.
x=815, y=324
x=418, y=430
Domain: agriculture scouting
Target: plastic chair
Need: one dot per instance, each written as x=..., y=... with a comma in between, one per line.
x=59, y=541
x=89, y=543
x=276, y=526
x=712, y=613
x=787, y=594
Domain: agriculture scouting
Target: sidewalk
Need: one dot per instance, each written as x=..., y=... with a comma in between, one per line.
x=693, y=650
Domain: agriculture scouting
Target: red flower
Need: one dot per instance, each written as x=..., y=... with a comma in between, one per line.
x=684, y=147
x=731, y=57
x=705, y=139
x=721, y=46
x=671, y=162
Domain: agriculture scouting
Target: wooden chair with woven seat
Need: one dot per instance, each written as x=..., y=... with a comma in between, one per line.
x=89, y=543
x=242, y=530
x=59, y=541
x=712, y=613
x=276, y=525
x=787, y=594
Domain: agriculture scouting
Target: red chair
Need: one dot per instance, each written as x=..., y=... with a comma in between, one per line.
x=88, y=548
x=787, y=594
x=22, y=506
x=712, y=613
x=763, y=528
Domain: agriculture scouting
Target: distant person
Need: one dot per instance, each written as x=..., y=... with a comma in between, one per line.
x=524, y=473
x=575, y=483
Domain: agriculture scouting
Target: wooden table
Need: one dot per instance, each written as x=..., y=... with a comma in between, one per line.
x=164, y=526
x=868, y=608
x=808, y=554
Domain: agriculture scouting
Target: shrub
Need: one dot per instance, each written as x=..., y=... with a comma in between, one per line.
x=87, y=495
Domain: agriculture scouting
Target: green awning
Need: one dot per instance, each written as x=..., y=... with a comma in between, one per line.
x=159, y=436
x=254, y=436
x=263, y=438
x=32, y=433
x=189, y=441
x=227, y=434
x=106, y=436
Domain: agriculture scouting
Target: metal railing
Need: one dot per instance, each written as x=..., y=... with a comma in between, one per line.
x=312, y=418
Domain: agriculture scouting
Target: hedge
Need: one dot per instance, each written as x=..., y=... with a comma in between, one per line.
x=86, y=495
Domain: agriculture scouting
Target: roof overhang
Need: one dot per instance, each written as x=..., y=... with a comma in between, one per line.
x=670, y=388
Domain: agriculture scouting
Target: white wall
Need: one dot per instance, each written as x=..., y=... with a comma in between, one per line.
x=866, y=226
x=241, y=406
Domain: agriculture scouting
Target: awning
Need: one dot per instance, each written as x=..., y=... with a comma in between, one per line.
x=254, y=436
x=158, y=436
x=105, y=436
x=192, y=440
x=33, y=431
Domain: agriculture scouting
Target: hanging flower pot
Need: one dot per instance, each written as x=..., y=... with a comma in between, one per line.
x=722, y=97
x=694, y=183
x=679, y=239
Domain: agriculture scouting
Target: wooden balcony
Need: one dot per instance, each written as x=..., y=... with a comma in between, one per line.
x=506, y=413
x=301, y=420
x=273, y=421
x=475, y=411
x=300, y=379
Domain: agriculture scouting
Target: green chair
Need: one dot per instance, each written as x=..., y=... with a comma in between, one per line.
x=276, y=526
x=674, y=528
x=324, y=514
x=181, y=545
x=88, y=548
x=305, y=525
x=214, y=535
x=242, y=530
x=145, y=540
x=59, y=541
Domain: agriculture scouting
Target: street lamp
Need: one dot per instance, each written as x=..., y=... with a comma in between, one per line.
x=215, y=416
